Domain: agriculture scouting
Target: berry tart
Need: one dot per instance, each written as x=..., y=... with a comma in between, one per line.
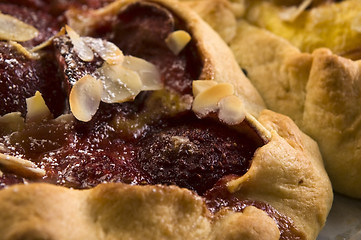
x=132, y=120
x=311, y=63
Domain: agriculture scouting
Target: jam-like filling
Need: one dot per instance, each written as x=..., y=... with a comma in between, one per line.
x=141, y=31
x=57, y=7
x=21, y=77
x=47, y=24
x=155, y=139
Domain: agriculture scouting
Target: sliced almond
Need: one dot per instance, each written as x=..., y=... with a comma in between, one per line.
x=24, y=51
x=20, y=167
x=207, y=101
x=106, y=50
x=47, y=42
x=148, y=72
x=11, y=122
x=177, y=40
x=199, y=86
x=120, y=84
x=84, y=98
x=13, y=29
x=67, y=118
x=231, y=110
x=263, y=132
x=37, y=109
x=82, y=50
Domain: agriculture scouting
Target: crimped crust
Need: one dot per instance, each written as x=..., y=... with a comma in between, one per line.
x=320, y=91
x=297, y=76
x=286, y=172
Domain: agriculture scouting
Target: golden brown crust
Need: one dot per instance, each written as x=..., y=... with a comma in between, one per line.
x=286, y=173
x=320, y=91
x=119, y=211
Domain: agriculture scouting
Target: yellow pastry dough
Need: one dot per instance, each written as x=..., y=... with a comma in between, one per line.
x=336, y=26
x=319, y=90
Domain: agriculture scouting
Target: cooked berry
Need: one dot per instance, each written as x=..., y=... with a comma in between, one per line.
x=195, y=154
x=21, y=77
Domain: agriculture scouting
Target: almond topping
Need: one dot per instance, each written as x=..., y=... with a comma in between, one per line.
x=177, y=40
x=231, y=110
x=47, y=42
x=207, y=101
x=20, y=167
x=11, y=122
x=84, y=98
x=107, y=51
x=24, y=51
x=83, y=51
x=199, y=86
x=13, y=29
x=120, y=84
x=148, y=73
x=37, y=109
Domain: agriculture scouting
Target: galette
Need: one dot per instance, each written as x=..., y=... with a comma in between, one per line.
x=309, y=69
x=133, y=120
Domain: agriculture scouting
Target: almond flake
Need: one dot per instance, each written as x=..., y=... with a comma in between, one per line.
x=20, y=48
x=207, y=101
x=20, y=167
x=107, y=51
x=37, y=109
x=177, y=40
x=199, y=86
x=263, y=132
x=84, y=98
x=120, y=84
x=47, y=42
x=11, y=122
x=13, y=29
x=231, y=110
x=148, y=72
x=82, y=50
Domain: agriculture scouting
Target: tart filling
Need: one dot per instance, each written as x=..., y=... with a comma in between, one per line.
x=122, y=106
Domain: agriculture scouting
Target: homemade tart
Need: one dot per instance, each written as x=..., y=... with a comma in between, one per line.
x=319, y=89
x=116, y=136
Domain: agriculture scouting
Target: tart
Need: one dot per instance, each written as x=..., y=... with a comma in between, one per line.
x=317, y=87
x=132, y=120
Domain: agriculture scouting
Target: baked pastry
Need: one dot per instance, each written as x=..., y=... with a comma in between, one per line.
x=221, y=15
x=131, y=147
x=318, y=90
x=309, y=25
